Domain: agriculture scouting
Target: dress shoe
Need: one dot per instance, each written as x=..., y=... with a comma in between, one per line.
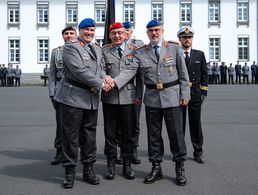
x=198, y=158
x=155, y=174
x=58, y=157
x=89, y=175
x=110, y=173
x=69, y=176
x=135, y=158
x=127, y=170
x=180, y=173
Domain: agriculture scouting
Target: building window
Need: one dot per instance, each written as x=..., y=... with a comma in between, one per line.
x=14, y=50
x=13, y=13
x=214, y=12
x=186, y=12
x=43, y=48
x=243, y=48
x=100, y=40
x=242, y=11
x=129, y=12
x=71, y=13
x=100, y=12
x=42, y=13
x=157, y=11
x=214, y=49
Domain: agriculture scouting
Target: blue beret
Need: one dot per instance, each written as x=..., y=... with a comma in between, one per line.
x=153, y=23
x=127, y=24
x=87, y=22
x=185, y=31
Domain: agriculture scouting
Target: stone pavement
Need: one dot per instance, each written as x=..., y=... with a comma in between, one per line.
x=230, y=125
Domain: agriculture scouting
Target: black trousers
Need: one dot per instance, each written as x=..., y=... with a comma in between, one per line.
x=216, y=79
x=75, y=120
x=173, y=121
x=253, y=79
x=17, y=82
x=58, y=138
x=230, y=79
x=4, y=81
x=238, y=78
x=116, y=118
x=223, y=79
x=245, y=78
x=195, y=127
x=210, y=79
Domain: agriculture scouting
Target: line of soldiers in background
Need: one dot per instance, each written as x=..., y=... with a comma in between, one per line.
x=223, y=73
x=10, y=77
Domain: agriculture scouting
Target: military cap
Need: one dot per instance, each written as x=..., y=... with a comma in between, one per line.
x=116, y=25
x=87, y=22
x=153, y=23
x=185, y=31
x=68, y=28
x=127, y=24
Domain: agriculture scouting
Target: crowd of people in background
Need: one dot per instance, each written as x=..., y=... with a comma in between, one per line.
x=238, y=74
x=9, y=76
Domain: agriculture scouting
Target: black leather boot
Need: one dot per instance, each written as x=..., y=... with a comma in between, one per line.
x=110, y=173
x=180, y=173
x=89, y=175
x=58, y=157
x=155, y=174
x=135, y=158
x=127, y=170
x=69, y=176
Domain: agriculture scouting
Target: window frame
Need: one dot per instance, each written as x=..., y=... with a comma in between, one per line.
x=71, y=5
x=242, y=22
x=185, y=23
x=15, y=61
x=43, y=48
x=214, y=48
x=129, y=15
x=162, y=10
x=98, y=3
x=214, y=22
x=13, y=6
x=45, y=6
x=243, y=47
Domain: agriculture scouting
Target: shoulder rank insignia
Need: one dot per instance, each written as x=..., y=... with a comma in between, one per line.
x=165, y=43
x=175, y=42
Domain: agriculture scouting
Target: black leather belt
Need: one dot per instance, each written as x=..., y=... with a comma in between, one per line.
x=165, y=85
x=77, y=84
x=58, y=79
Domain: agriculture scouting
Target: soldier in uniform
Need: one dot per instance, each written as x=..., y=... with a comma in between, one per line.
x=197, y=69
x=55, y=76
x=245, y=71
x=238, y=72
x=216, y=73
x=118, y=104
x=17, y=73
x=210, y=75
x=254, y=72
x=4, y=71
x=1, y=74
x=223, y=73
x=45, y=74
x=10, y=75
x=165, y=76
x=231, y=72
x=78, y=97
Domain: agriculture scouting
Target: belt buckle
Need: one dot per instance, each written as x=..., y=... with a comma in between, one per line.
x=160, y=86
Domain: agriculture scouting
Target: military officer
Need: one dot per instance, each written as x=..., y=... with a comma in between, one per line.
x=118, y=104
x=46, y=73
x=10, y=75
x=238, y=72
x=165, y=76
x=4, y=71
x=216, y=73
x=245, y=71
x=223, y=73
x=210, y=75
x=17, y=75
x=197, y=69
x=78, y=97
x=54, y=77
x=254, y=72
x=231, y=72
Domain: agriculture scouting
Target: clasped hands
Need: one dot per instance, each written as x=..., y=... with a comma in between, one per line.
x=109, y=83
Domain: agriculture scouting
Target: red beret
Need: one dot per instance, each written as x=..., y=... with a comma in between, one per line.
x=116, y=25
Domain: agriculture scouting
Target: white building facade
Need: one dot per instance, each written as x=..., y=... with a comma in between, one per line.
x=226, y=30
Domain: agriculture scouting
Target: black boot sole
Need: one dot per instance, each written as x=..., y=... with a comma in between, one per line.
x=91, y=182
x=156, y=179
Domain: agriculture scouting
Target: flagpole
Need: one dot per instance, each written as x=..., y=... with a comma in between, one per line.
x=110, y=19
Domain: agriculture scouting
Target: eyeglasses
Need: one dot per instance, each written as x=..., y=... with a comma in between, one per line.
x=154, y=30
x=113, y=33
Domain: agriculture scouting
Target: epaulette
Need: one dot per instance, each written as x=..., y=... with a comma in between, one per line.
x=141, y=46
x=96, y=44
x=175, y=42
x=107, y=45
x=73, y=40
x=131, y=46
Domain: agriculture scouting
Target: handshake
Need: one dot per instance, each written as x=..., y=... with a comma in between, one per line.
x=109, y=83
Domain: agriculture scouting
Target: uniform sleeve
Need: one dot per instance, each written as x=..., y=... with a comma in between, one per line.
x=52, y=74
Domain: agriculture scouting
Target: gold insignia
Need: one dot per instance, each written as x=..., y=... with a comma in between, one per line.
x=205, y=88
x=165, y=43
x=187, y=30
x=130, y=56
x=82, y=44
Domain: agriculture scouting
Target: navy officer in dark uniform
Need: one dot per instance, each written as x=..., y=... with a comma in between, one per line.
x=197, y=70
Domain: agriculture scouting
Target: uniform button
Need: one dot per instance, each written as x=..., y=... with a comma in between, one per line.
x=158, y=73
x=70, y=86
x=193, y=72
x=193, y=79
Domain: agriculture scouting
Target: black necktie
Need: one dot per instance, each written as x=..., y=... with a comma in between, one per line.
x=187, y=58
x=156, y=51
x=92, y=50
x=120, y=52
